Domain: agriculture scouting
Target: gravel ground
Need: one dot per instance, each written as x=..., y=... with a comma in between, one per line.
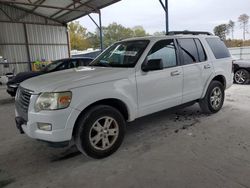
x=183, y=148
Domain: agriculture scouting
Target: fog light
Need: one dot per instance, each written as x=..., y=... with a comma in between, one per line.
x=44, y=126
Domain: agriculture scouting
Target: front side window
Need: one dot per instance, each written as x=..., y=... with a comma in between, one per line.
x=122, y=54
x=189, y=51
x=164, y=50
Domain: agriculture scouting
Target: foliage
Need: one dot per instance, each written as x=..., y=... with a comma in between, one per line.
x=221, y=31
x=243, y=20
x=236, y=43
x=78, y=36
x=231, y=26
x=81, y=39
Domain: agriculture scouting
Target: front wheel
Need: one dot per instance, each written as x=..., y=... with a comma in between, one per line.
x=100, y=131
x=214, y=98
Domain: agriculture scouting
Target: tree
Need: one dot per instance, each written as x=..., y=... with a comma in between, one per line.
x=139, y=31
x=231, y=26
x=244, y=19
x=78, y=36
x=221, y=31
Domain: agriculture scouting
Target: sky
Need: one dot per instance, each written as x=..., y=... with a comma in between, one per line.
x=183, y=14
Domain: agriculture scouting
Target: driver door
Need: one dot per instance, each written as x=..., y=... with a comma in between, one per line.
x=160, y=89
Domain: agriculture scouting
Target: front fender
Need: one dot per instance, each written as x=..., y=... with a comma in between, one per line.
x=122, y=90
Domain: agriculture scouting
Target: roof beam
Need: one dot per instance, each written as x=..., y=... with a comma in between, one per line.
x=53, y=15
x=32, y=11
x=82, y=5
x=6, y=14
x=41, y=5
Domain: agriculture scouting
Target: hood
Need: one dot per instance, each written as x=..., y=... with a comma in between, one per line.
x=20, y=77
x=72, y=78
x=242, y=63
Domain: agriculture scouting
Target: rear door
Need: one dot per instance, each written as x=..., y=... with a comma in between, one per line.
x=196, y=68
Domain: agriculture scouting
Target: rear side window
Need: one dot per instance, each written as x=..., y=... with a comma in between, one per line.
x=218, y=47
x=201, y=51
x=189, y=51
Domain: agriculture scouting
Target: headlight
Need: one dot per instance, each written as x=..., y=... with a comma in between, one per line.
x=53, y=101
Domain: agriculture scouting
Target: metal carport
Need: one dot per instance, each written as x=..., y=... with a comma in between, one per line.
x=32, y=30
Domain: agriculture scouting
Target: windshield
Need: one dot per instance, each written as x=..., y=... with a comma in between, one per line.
x=53, y=65
x=122, y=54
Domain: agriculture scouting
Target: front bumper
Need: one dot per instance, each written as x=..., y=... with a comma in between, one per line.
x=62, y=122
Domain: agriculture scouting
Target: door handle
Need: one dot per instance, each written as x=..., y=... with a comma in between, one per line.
x=175, y=73
x=207, y=66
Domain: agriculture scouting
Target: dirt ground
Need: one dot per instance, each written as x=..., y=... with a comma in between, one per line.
x=168, y=149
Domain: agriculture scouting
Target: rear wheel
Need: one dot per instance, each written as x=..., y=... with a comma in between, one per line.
x=241, y=76
x=100, y=131
x=214, y=98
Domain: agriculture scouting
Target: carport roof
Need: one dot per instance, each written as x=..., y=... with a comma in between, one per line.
x=62, y=11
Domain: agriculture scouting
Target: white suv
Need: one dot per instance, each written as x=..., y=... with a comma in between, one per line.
x=132, y=78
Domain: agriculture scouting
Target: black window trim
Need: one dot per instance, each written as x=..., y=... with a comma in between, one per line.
x=202, y=46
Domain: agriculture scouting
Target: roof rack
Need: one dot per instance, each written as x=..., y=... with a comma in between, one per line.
x=189, y=33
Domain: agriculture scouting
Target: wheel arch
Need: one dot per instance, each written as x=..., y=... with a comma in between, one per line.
x=219, y=77
x=113, y=102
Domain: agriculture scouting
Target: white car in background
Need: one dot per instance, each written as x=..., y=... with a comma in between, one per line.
x=132, y=78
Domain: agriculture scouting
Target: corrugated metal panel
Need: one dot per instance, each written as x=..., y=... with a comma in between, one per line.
x=22, y=16
x=48, y=53
x=52, y=39
x=16, y=68
x=33, y=18
x=46, y=34
x=85, y=7
x=14, y=53
x=11, y=33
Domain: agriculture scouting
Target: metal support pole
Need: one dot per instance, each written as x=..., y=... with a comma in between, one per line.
x=27, y=45
x=165, y=7
x=68, y=41
x=100, y=28
x=167, y=23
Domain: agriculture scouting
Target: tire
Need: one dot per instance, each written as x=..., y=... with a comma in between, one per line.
x=214, y=98
x=100, y=131
x=241, y=76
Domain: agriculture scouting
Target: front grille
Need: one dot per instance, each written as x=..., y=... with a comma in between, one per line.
x=22, y=102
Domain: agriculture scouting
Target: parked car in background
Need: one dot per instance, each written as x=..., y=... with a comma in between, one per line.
x=131, y=79
x=241, y=71
x=57, y=65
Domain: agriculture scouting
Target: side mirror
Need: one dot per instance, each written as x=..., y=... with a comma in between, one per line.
x=152, y=65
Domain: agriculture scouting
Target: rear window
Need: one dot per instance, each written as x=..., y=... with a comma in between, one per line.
x=218, y=47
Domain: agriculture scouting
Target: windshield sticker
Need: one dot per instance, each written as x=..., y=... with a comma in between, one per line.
x=130, y=53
